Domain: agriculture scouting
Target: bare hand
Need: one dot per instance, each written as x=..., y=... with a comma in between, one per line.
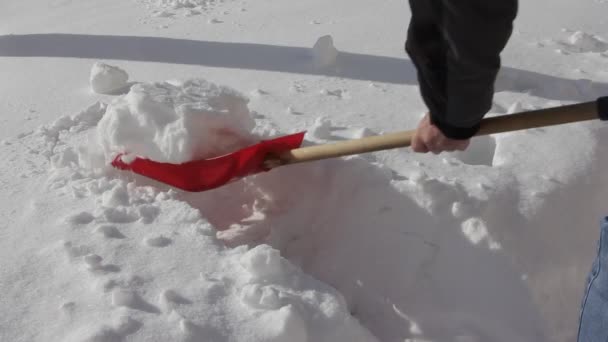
x=428, y=138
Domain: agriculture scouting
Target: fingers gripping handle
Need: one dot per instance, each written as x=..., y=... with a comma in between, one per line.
x=500, y=124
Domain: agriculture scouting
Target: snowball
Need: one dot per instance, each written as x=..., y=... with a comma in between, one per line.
x=176, y=123
x=324, y=53
x=107, y=79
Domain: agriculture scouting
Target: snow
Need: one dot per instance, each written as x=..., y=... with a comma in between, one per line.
x=324, y=54
x=176, y=123
x=584, y=42
x=108, y=79
x=490, y=244
x=321, y=128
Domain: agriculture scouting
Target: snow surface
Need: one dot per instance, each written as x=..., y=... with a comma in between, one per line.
x=490, y=244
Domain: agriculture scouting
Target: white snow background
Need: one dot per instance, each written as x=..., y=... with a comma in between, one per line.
x=492, y=244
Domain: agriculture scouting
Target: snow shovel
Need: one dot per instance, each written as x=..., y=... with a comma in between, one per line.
x=206, y=174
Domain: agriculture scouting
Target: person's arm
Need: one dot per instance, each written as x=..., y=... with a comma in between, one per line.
x=474, y=32
x=456, y=45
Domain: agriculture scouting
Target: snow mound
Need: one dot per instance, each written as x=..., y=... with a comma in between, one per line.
x=276, y=284
x=584, y=42
x=143, y=264
x=108, y=79
x=176, y=122
x=154, y=295
x=324, y=53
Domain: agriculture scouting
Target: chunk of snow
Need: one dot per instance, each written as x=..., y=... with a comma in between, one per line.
x=107, y=79
x=324, y=53
x=176, y=123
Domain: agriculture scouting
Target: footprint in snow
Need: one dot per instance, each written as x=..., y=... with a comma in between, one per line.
x=169, y=299
x=157, y=241
x=74, y=251
x=68, y=307
x=109, y=232
x=81, y=218
x=130, y=299
x=93, y=263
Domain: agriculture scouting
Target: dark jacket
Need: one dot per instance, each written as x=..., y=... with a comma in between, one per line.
x=455, y=45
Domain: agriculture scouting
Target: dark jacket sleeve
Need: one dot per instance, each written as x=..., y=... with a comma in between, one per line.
x=456, y=45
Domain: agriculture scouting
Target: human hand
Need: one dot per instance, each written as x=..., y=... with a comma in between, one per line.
x=428, y=138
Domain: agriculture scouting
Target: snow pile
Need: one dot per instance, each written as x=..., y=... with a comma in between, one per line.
x=584, y=42
x=324, y=53
x=108, y=79
x=143, y=264
x=176, y=122
x=297, y=307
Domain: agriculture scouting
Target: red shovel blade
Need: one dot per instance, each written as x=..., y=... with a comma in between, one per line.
x=206, y=174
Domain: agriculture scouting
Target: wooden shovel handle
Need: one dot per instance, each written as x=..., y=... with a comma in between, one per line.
x=506, y=123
